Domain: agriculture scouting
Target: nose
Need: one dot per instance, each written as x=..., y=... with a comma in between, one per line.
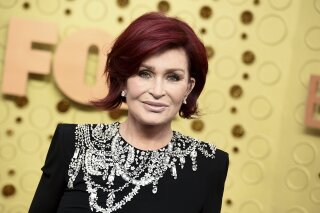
x=157, y=88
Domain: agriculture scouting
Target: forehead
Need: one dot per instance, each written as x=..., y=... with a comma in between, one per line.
x=172, y=58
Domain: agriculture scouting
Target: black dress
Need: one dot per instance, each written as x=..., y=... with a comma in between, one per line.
x=194, y=187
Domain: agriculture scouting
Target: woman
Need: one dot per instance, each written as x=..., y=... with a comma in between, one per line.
x=158, y=67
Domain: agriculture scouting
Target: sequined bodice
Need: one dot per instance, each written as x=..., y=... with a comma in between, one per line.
x=101, y=153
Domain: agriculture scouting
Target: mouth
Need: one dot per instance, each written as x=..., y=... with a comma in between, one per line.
x=154, y=106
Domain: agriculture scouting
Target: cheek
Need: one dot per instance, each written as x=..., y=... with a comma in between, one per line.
x=135, y=87
x=178, y=94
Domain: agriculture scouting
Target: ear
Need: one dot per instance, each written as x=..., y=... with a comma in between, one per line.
x=191, y=84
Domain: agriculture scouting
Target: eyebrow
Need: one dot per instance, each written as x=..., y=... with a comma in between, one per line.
x=170, y=69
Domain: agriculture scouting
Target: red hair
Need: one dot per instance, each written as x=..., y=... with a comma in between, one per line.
x=150, y=34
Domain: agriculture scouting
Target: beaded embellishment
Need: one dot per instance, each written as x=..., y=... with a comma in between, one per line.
x=101, y=153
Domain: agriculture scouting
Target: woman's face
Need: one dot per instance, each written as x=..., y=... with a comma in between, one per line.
x=156, y=92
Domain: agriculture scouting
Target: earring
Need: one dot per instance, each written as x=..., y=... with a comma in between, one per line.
x=185, y=100
x=123, y=93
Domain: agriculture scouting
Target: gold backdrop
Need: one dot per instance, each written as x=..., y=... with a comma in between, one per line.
x=261, y=56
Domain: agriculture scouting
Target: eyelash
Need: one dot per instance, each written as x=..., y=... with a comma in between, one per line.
x=146, y=74
x=174, y=77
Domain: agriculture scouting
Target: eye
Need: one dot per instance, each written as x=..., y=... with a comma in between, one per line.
x=144, y=74
x=173, y=77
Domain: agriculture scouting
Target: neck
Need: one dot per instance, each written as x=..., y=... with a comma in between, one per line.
x=145, y=137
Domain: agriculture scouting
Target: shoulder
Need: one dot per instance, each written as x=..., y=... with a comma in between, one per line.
x=219, y=165
x=64, y=137
x=208, y=154
x=65, y=131
x=66, y=127
x=61, y=147
x=216, y=167
x=208, y=150
x=220, y=157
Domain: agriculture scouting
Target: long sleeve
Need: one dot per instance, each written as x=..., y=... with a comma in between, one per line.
x=52, y=182
x=214, y=200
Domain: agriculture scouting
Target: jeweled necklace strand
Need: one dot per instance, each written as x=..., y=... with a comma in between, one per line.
x=102, y=152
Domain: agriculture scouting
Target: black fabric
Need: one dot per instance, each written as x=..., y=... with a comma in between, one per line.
x=198, y=191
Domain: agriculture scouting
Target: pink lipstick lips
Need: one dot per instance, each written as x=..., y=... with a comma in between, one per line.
x=155, y=106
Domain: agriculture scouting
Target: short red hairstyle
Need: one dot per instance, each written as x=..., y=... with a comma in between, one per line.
x=150, y=34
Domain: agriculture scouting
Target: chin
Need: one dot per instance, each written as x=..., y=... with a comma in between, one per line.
x=154, y=120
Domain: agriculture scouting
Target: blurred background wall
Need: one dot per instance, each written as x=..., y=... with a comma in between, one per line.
x=261, y=53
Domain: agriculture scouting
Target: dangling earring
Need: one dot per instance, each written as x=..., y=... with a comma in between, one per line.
x=185, y=100
x=123, y=93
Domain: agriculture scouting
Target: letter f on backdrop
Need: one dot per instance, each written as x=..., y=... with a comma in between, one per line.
x=21, y=59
